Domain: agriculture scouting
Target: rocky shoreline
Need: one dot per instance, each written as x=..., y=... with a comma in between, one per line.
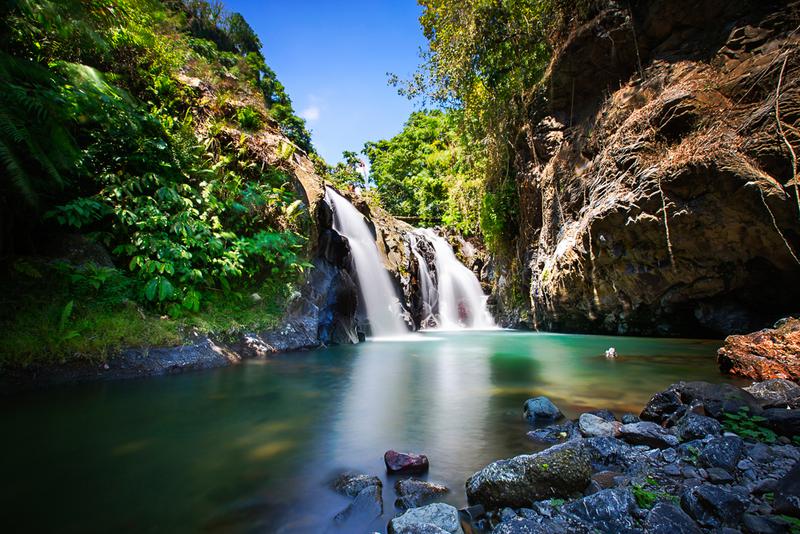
x=700, y=457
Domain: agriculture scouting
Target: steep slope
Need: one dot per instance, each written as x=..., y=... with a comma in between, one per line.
x=657, y=190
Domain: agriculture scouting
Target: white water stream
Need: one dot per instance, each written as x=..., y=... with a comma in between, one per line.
x=462, y=303
x=380, y=300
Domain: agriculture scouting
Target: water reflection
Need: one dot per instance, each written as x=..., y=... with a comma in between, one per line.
x=253, y=448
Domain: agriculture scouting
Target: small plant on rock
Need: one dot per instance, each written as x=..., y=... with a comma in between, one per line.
x=747, y=426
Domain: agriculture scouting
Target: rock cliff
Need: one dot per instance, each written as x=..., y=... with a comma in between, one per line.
x=658, y=192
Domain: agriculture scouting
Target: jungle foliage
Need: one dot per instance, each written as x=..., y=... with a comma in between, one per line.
x=99, y=137
x=483, y=63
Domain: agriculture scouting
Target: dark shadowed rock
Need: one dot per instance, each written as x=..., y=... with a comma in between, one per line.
x=714, y=399
x=776, y=393
x=543, y=525
x=413, y=493
x=559, y=471
x=712, y=506
x=608, y=510
x=555, y=433
x=784, y=422
x=541, y=409
x=787, y=493
x=629, y=418
x=724, y=452
x=647, y=433
x=402, y=462
x=693, y=426
x=667, y=518
x=610, y=452
x=420, y=520
x=367, y=505
x=758, y=524
x=591, y=425
x=351, y=484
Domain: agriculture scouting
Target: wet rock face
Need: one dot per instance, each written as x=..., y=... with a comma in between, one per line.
x=541, y=409
x=642, y=211
x=405, y=462
x=556, y=472
x=647, y=433
x=712, y=506
x=666, y=518
x=350, y=485
x=666, y=406
x=764, y=355
x=776, y=393
x=413, y=493
x=432, y=519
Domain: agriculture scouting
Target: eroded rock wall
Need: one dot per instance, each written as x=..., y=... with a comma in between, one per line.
x=658, y=199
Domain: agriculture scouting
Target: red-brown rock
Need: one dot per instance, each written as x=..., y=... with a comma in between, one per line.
x=402, y=462
x=763, y=355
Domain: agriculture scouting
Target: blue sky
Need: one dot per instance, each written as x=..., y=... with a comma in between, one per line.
x=333, y=57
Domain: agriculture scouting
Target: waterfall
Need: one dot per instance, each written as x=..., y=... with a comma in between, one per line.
x=428, y=293
x=460, y=297
x=380, y=299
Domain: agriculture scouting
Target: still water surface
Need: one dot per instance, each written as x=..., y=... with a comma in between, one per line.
x=251, y=448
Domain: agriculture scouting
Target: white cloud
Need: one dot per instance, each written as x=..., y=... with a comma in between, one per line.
x=311, y=113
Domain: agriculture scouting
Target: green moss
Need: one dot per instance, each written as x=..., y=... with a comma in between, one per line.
x=52, y=314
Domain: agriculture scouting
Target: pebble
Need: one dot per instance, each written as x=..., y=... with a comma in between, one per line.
x=669, y=455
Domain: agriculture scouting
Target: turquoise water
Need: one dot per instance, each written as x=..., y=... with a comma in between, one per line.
x=251, y=448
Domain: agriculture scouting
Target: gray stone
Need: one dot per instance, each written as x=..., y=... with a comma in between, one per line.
x=412, y=492
x=439, y=515
x=608, y=510
x=672, y=470
x=647, y=433
x=669, y=455
x=507, y=514
x=754, y=524
x=722, y=452
x=667, y=518
x=592, y=426
x=541, y=409
x=543, y=525
x=693, y=426
x=629, y=418
x=776, y=393
x=712, y=506
x=555, y=433
x=558, y=471
x=714, y=399
x=787, y=493
x=718, y=475
x=351, y=484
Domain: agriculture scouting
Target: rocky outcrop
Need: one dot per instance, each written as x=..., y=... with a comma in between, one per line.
x=558, y=471
x=763, y=355
x=655, y=193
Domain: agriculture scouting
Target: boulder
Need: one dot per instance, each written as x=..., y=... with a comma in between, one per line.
x=787, y=493
x=405, y=462
x=666, y=518
x=592, y=426
x=541, y=409
x=782, y=421
x=776, y=393
x=609, y=510
x=713, y=398
x=611, y=452
x=351, y=484
x=413, y=493
x=560, y=471
x=724, y=452
x=763, y=355
x=712, y=506
x=647, y=433
x=543, y=525
x=427, y=519
x=693, y=426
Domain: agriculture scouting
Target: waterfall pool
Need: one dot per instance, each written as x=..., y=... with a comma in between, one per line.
x=251, y=448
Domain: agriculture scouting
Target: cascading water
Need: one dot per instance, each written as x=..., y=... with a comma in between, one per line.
x=460, y=297
x=428, y=294
x=380, y=300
